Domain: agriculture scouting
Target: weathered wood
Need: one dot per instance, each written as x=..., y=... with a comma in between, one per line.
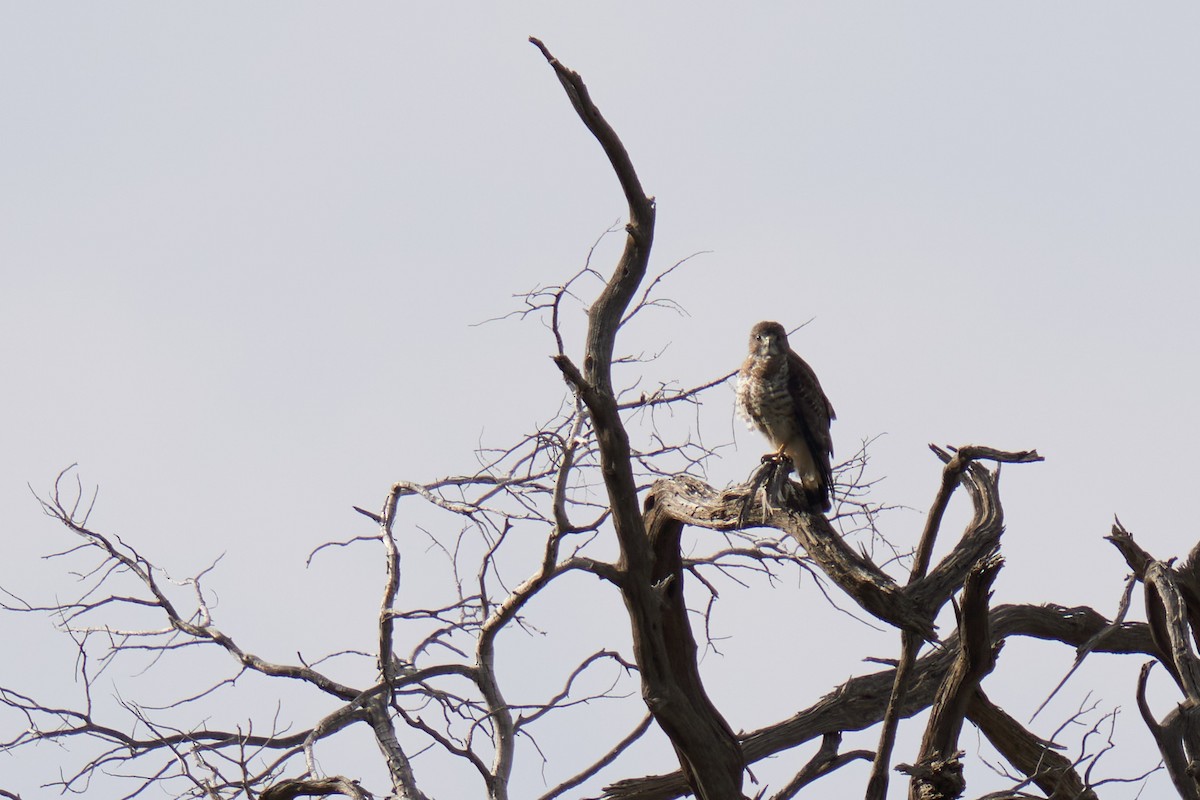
x=980, y=540
x=1168, y=618
x=1051, y=771
x=650, y=566
x=674, y=692
x=937, y=775
x=292, y=788
x=859, y=703
x=824, y=761
x=692, y=501
x=939, y=778
x=1172, y=738
x=982, y=534
x=1173, y=613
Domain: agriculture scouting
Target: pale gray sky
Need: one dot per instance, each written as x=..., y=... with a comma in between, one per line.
x=239, y=244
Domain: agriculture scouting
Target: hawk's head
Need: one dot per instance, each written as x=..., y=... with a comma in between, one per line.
x=768, y=339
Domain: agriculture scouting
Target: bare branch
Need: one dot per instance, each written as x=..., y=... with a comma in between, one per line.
x=319, y=787
x=938, y=771
x=1037, y=758
x=861, y=701
x=1087, y=647
x=602, y=762
x=652, y=581
x=1169, y=737
x=824, y=761
x=694, y=502
x=664, y=396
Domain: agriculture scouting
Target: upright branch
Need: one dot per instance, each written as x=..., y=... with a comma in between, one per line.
x=594, y=383
x=1172, y=610
x=980, y=540
x=605, y=315
x=404, y=783
x=652, y=576
x=938, y=771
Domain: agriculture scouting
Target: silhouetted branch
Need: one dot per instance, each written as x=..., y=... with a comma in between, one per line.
x=692, y=501
x=938, y=770
x=1038, y=759
x=320, y=787
x=602, y=762
x=980, y=540
x=860, y=702
x=1171, y=737
x=824, y=761
x=1172, y=610
x=652, y=580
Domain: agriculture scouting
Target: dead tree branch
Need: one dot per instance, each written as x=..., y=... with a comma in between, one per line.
x=322, y=787
x=824, y=761
x=652, y=578
x=938, y=771
x=692, y=501
x=860, y=702
x=1173, y=612
x=981, y=539
x=1052, y=772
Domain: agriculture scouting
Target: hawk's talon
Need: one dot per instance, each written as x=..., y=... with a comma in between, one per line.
x=778, y=459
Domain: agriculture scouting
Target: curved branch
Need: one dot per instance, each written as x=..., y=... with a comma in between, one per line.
x=860, y=702
x=982, y=534
x=321, y=787
x=692, y=501
x=1169, y=737
x=938, y=771
x=652, y=580
x=953, y=473
x=581, y=100
x=602, y=762
x=826, y=760
x=1051, y=771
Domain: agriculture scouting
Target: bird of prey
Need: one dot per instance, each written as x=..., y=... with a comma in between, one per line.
x=779, y=394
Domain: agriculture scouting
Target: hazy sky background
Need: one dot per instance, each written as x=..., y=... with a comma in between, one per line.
x=244, y=250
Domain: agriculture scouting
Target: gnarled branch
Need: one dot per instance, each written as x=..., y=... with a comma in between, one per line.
x=652, y=580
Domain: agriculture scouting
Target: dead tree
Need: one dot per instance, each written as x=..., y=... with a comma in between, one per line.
x=431, y=681
x=1173, y=610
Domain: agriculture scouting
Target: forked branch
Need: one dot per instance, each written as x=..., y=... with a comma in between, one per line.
x=652, y=580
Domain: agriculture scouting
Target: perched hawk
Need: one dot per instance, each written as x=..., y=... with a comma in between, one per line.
x=780, y=395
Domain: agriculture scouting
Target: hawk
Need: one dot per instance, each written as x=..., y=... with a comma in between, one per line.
x=779, y=394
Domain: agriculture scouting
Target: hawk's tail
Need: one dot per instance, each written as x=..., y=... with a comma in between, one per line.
x=814, y=475
x=821, y=497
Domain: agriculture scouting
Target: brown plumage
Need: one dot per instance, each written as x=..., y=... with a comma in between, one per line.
x=779, y=394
